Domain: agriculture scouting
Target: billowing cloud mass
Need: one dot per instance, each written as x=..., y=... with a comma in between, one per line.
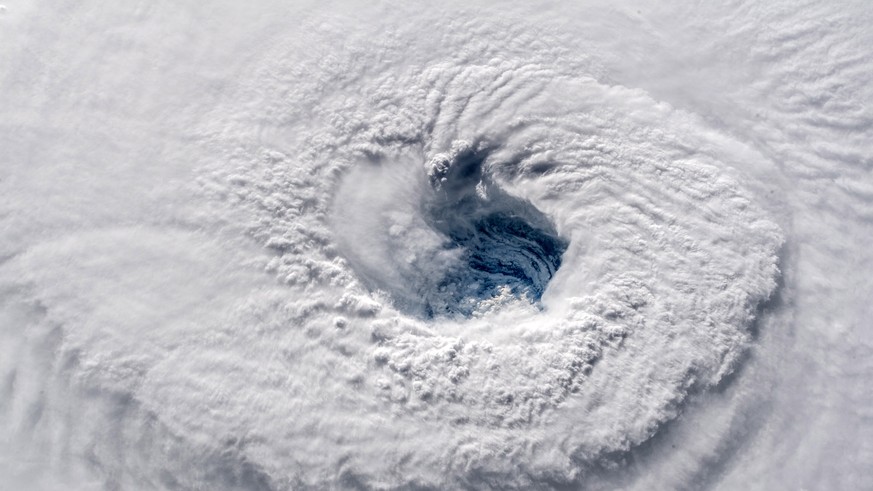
x=388, y=246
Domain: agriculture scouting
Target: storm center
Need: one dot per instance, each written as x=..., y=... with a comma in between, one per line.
x=505, y=245
x=451, y=245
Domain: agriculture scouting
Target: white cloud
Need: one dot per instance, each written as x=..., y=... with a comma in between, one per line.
x=223, y=236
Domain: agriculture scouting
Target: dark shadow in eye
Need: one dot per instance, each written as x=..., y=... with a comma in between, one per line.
x=506, y=244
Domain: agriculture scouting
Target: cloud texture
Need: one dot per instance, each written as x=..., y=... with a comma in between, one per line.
x=278, y=248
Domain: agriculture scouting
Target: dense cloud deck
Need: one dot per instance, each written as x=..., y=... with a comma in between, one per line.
x=256, y=245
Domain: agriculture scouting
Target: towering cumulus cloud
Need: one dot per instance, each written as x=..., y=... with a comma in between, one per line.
x=281, y=248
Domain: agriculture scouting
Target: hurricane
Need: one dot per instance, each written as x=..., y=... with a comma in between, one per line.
x=380, y=245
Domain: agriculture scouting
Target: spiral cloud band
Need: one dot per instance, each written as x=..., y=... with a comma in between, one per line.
x=384, y=247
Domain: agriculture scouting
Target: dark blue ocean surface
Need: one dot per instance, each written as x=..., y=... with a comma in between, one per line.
x=505, y=243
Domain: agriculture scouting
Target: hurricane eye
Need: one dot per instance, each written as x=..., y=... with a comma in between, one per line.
x=506, y=245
